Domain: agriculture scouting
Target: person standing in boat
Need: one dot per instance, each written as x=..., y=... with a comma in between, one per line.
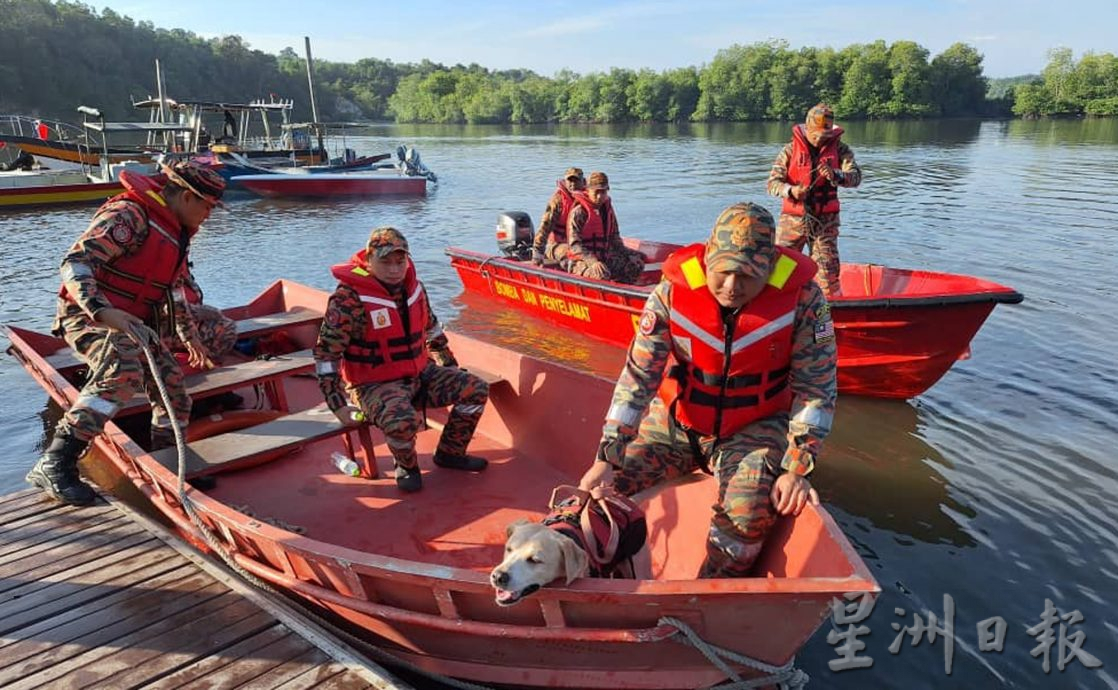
x=734, y=362
x=116, y=284
x=807, y=174
x=552, y=233
x=381, y=353
x=594, y=245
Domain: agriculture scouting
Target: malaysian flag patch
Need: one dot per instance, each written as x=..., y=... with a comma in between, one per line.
x=824, y=331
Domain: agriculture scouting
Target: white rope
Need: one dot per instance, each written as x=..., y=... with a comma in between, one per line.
x=145, y=335
x=787, y=677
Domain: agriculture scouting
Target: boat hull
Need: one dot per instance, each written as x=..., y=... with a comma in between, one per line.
x=411, y=572
x=327, y=185
x=23, y=193
x=895, y=344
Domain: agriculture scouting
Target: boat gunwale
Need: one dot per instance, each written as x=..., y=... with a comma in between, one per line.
x=997, y=294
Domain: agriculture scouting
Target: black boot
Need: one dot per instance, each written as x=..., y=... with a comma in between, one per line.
x=57, y=472
x=470, y=463
x=408, y=480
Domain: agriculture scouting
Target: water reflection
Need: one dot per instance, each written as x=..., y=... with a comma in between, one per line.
x=877, y=465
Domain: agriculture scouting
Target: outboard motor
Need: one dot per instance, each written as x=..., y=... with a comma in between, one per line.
x=411, y=165
x=515, y=234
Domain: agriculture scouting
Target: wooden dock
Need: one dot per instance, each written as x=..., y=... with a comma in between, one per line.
x=101, y=597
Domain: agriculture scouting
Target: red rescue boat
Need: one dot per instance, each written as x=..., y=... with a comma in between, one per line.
x=410, y=572
x=898, y=331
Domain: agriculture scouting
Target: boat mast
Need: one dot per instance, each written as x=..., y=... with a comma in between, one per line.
x=314, y=106
x=162, y=113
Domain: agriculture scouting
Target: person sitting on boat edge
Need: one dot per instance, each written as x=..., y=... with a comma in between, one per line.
x=594, y=247
x=756, y=422
x=807, y=174
x=553, y=224
x=381, y=352
x=115, y=281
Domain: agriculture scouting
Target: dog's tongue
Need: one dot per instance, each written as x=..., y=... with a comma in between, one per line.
x=505, y=595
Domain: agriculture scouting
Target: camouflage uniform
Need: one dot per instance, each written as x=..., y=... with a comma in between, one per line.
x=553, y=221
x=746, y=462
x=116, y=248
x=117, y=366
x=617, y=262
x=395, y=407
x=207, y=325
x=819, y=231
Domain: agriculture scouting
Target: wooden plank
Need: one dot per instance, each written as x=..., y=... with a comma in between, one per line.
x=247, y=667
x=19, y=534
x=91, y=616
x=17, y=496
x=227, y=378
x=313, y=678
x=487, y=376
x=51, y=556
x=36, y=503
x=202, y=671
x=287, y=671
x=239, y=448
x=64, y=358
x=153, y=656
x=33, y=653
x=44, y=598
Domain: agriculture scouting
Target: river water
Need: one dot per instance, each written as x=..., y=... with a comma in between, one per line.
x=996, y=488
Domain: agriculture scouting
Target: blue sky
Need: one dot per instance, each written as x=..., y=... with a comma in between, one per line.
x=547, y=36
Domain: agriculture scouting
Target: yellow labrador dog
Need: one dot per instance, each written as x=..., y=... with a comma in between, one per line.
x=608, y=541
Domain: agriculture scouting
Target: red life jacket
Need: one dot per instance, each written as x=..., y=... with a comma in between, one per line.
x=559, y=221
x=139, y=282
x=822, y=196
x=595, y=232
x=718, y=382
x=385, y=351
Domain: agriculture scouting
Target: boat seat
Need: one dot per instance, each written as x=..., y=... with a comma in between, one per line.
x=250, y=446
x=64, y=358
x=269, y=372
x=253, y=445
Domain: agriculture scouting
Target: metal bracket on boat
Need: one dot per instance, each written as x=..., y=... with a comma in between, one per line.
x=786, y=677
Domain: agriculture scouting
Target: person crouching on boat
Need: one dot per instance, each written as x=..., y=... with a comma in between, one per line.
x=117, y=279
x=595, y=248
x=552, y=232
x=381, y=343
x=734, y=361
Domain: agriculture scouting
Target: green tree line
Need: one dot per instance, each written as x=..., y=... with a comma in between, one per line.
x=55, y=56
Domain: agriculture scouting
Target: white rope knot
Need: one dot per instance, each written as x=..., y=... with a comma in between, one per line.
x=786, y=677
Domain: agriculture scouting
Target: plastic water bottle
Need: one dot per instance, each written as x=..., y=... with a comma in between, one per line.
x=344, y=464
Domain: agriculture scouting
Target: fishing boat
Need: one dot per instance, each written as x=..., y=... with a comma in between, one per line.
x=408, y=177
x=85, y=184
x=62, y=141
x=410, y=573
x=898, y=331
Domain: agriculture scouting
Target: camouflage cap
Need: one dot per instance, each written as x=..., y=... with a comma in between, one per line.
x=742, y=240
x=598, y=180
x=385, y=240
x=820, y=117
x=573, y=172
x=199, y=179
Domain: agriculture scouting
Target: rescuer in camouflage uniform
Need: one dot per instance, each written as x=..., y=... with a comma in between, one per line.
x=553, y=223
x=781, y=393
x=814, y=165
x=136, y=243
x=606, y=257
x=391, y=379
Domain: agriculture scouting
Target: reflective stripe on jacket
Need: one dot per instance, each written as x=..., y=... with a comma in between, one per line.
x=720, y=380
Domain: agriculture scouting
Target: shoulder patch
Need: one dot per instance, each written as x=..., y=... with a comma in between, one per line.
x=823, y=312
x=122, y=231
x=648, y=322
x=332, y=317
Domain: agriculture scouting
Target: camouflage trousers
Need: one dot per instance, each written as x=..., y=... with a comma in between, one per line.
x=217, y=331
x=118, y=370
x=619, y=264
x=394, y=408
x=746, y=464
x=820, y=234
